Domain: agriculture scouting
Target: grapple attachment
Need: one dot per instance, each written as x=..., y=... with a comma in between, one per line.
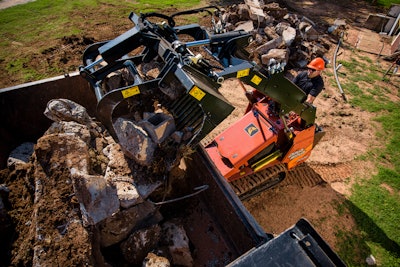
x=181, y=84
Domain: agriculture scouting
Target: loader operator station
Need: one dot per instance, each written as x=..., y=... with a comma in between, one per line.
x=310, y=81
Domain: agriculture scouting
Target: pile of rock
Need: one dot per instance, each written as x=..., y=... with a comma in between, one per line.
x=87, y=199
x=279, y=36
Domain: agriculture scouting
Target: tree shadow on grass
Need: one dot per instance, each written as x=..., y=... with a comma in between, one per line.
x=370, y=232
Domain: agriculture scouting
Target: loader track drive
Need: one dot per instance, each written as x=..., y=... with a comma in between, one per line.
x=179, y=104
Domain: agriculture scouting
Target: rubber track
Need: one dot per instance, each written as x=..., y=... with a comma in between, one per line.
x=254, y=184
x=303, y=176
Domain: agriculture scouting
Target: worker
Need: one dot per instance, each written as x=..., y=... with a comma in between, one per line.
x=310, y=81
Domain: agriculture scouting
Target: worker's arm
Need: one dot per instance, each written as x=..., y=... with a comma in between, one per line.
x=310, y=99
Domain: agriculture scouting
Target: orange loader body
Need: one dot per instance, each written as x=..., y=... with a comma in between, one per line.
x=261, y=139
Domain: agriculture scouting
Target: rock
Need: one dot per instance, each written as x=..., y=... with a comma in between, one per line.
x=279, y=55
x=66, y=110
x=117, y=164
x=233, y=18
x=288, y=35
x=271, y=33
x=370, y=260
x=127, y=192
x=56, y=224
x=65, y=150
x=319, y=50
x=256, y=13
x=120, y=225
x=243, y=12
x=274, y=10
x=281, y=26
x=173, y=89
x=150, y=69
x=134, y=141
x=98, y=200
x=146, y=190
x=137, y=246
x=275, y=43
x=310, y=33
x=158, y=125
x=178, y=244
x=153, y=260
x=246, y=26
x=303, y=25
x=20, y=155
x=70, y=127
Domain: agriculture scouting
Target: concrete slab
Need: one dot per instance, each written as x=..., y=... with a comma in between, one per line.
x=369, y=41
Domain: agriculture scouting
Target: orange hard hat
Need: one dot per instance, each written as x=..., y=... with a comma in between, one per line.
x=317, y=64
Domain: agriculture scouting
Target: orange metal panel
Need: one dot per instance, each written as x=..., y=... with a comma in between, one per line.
x=301, y=148
x=245, y=139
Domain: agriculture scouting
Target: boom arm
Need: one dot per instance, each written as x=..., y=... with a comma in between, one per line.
x=189, y=83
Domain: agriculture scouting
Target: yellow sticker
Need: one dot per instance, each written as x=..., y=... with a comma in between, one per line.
x=130, y=91
x=197, y=93
x=256, y=80
x=243, y=73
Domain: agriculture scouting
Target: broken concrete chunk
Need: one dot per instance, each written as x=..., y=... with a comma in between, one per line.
x=274, y=10
x=275, y=43
x=66, y=110
x=120, y=225
x=255, y=11
x=146, y=190
x=134, y=140
x=153, y=260
x=97, y=199
x=119, y=174
x=271, y=33
x=117, y=163
x=20, y=155
x=319, y=50
x=56, y=151
x=246, y=26
x=243, y=12
x=158, y=125
x=310, y=33
x=288, y=35
x=70, y=127
x=178, y=244
x=127, y=192
x=281, y=26
x=275, y=56
x=137, y=246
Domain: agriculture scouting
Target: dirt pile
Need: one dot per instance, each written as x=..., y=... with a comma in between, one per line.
x=280, y=37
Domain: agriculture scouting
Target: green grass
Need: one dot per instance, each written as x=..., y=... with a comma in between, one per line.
x=375, y=201
x=25, y=28
x=386, y=3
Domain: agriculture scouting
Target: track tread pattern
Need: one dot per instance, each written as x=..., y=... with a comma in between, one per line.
x=254, y=184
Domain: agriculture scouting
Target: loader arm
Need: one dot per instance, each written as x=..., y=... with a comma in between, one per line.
x=276, y=86
x=187, y=83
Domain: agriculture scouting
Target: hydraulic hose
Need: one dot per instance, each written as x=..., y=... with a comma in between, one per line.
x=335, y=68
